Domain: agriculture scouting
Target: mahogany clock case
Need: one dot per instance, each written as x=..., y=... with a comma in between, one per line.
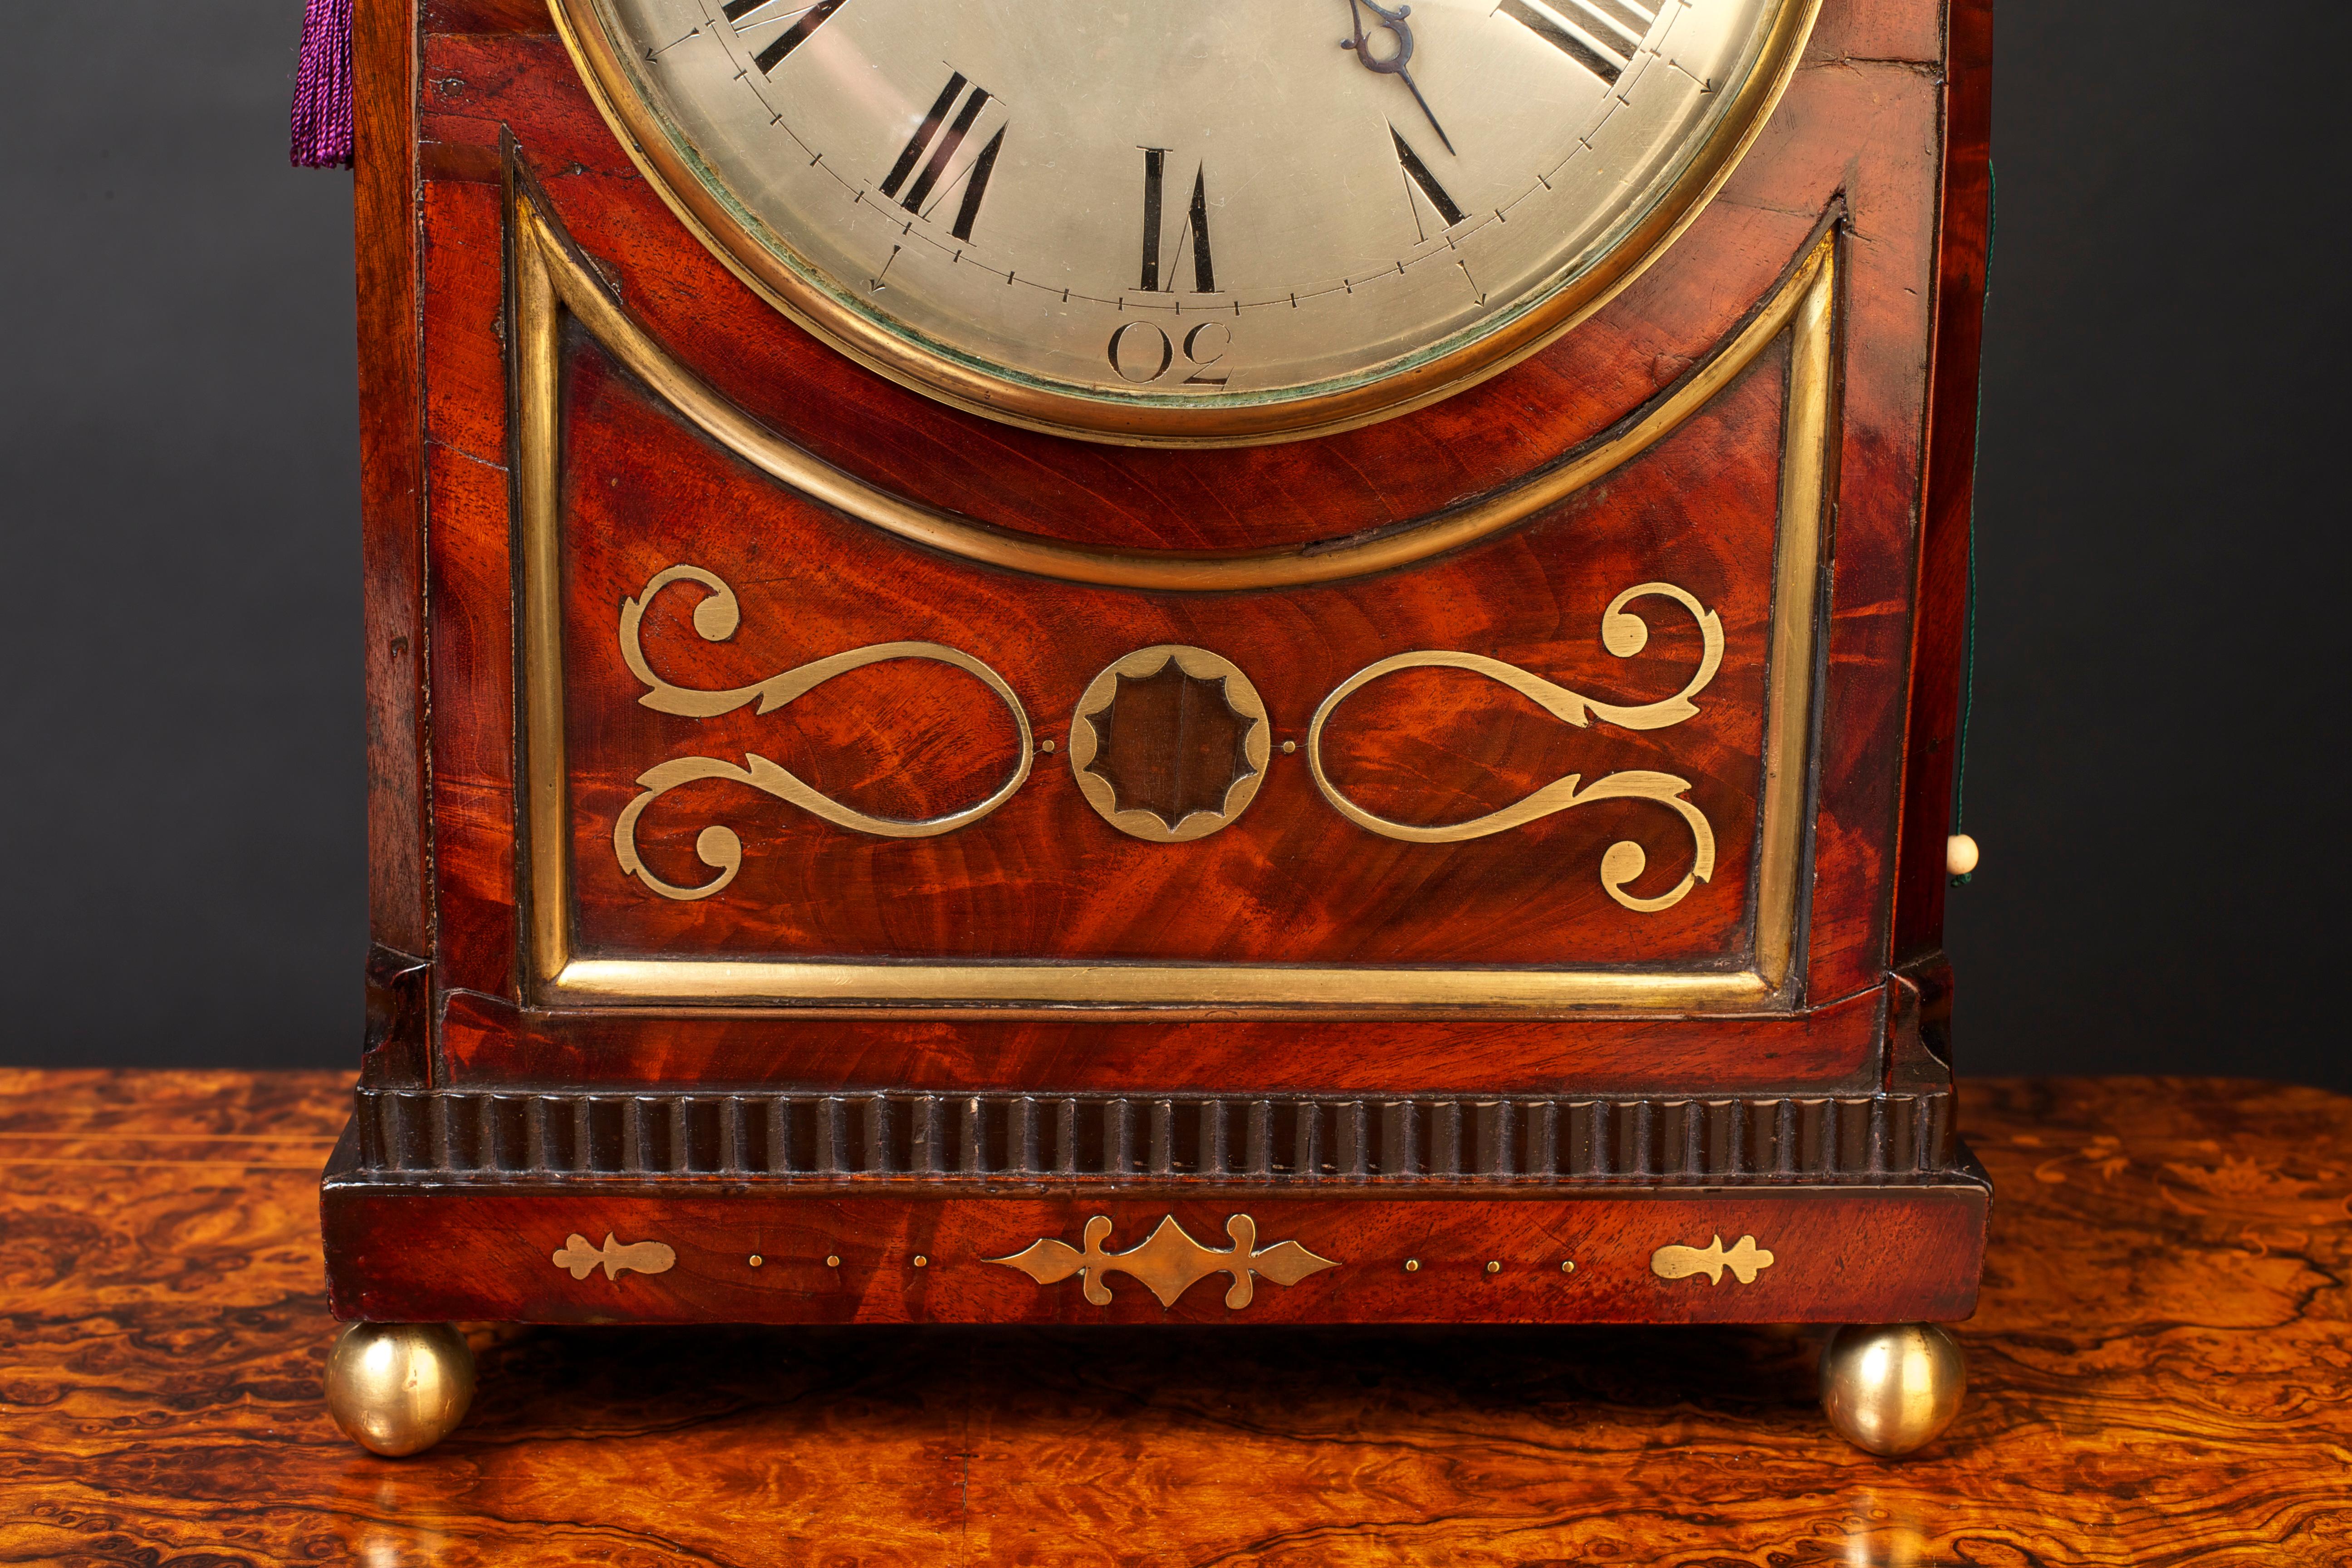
x=1474, y=1077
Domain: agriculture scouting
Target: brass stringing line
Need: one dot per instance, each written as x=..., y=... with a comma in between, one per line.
x=1622, y=633
x=716, y=618
x=539, y=374
x=587, y=297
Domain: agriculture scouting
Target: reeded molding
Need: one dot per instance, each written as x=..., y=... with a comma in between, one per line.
x=993, y=1139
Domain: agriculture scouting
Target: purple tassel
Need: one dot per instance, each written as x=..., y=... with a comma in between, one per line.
x=322, y=88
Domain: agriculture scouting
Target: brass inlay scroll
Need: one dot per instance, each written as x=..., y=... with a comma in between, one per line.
x=1168, y=1263
x=715, y=619
x=1623, y=634
x=1745, y=1259
x=643, y=1256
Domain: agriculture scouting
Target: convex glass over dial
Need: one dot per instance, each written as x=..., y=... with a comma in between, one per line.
x=1187, y=219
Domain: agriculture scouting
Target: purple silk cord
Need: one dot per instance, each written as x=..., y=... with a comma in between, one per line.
x=322, y=88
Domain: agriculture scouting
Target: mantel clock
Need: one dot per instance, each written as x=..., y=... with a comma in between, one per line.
x=1277, y=661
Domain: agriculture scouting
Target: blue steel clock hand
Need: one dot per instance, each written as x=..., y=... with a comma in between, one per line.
x=1396, y=64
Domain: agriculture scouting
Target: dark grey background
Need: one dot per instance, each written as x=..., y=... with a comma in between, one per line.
x=2160, y=537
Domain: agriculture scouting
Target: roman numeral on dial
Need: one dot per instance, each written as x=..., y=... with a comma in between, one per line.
x=1195, y=227
x=808, y=20
x=941, y=138
x=1416, y=174
x=1602, y=35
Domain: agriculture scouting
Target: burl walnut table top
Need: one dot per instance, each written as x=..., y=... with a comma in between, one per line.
x=2160, y=1373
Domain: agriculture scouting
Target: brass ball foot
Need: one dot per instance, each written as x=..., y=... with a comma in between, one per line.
x=1889, y=1388
x=399, y=1388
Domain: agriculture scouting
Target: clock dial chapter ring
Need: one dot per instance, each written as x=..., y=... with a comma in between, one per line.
x=768, y=263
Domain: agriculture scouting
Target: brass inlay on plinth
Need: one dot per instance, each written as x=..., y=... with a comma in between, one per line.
x=642, y=1257
x=1745, y=1259
x=1168, y=1263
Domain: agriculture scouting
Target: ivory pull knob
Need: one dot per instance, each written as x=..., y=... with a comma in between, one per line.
x=1960, y=854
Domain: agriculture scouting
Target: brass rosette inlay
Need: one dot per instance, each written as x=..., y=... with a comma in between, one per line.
x=1171, y=796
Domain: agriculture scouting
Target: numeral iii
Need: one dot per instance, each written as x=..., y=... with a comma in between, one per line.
x=1602, y=35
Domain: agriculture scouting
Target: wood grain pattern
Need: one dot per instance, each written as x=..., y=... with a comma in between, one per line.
x=2157, y=1379
x=1870, y=141
x=1842, y=1255
x=1939, y=618
x=392, y=498
x=1292, y=881
x=1832, y=1048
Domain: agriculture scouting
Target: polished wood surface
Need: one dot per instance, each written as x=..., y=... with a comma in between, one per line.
x=476, y=405
x=1290, y=880
x=1859, y=142
x=2157, y=1363
x=1831, y=1049
x=1940, y=619
x=1860, y=1255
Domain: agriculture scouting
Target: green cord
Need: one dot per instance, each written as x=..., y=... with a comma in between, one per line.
x=1969, y=631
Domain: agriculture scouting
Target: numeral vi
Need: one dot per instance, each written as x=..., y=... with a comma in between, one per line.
x=1194, y=227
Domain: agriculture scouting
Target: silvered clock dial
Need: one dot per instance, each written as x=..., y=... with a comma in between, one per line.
x=1186, y=220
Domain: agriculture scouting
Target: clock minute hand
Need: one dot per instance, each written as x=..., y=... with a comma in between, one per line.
x=1396, y=64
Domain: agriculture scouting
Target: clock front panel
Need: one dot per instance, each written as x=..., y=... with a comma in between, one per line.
x=871, y=834
x=729, y=848
x=1639, y=847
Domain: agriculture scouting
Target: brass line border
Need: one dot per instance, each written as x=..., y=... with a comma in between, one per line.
x=607, y=74
x=546, y=278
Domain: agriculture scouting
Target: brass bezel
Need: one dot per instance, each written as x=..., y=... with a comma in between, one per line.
x=548, y=277
x=666, y=167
